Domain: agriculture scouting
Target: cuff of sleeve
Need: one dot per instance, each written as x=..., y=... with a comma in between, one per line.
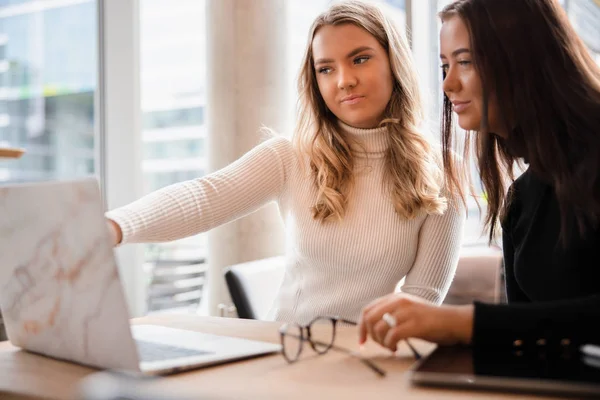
x=501, y=327
x=492, y=326
x=569, y=322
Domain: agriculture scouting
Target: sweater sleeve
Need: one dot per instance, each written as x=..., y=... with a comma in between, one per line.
x=198, y=205
x=437, y=256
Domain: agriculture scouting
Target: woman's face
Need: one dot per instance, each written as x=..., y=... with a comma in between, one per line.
x=462, y=83
x=353, y=74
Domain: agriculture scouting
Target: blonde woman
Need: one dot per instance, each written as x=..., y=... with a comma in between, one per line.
x=359, y=186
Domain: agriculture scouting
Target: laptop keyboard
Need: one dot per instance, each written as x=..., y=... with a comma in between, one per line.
x=150, y=351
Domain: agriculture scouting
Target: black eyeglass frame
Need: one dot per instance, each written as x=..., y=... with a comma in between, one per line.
x=306, y=336
x=328, y=346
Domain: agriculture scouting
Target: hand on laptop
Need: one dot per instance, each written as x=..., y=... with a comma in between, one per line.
x=116, y=234
x=398, y=316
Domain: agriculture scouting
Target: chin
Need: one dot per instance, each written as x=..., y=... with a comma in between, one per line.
x=363, y=123
x=468, y=124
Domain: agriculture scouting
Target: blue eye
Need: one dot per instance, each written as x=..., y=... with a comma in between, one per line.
x=324, y=70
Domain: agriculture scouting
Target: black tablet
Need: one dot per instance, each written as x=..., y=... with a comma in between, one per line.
x=564, y=374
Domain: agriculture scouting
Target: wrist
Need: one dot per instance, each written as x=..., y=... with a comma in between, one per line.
x=464, y=323
x=116, y=232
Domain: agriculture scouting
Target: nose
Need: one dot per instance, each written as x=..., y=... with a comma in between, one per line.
x=347, y=79
x=451, y=82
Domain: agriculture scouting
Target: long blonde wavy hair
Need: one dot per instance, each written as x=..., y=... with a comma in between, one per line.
x=413, y=172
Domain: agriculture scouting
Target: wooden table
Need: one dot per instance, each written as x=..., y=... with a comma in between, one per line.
x=334, y=375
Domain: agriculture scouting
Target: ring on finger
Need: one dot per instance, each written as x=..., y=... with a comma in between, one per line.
x=390, y=320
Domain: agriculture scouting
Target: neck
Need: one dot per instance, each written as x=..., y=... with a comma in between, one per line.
x=366, y=142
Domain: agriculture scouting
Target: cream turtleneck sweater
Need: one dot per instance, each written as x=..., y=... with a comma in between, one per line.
x=333, y=268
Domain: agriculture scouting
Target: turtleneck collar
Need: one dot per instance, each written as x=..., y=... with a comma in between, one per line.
x=371, y=143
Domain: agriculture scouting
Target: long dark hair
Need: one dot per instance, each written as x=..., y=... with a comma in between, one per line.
x=547, y=88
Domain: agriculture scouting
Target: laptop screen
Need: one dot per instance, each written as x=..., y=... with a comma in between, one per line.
x=564, y=373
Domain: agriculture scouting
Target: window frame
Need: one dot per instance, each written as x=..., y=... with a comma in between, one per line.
x=118, y=133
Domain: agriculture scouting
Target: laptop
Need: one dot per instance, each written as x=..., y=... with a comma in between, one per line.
x=61, y=294
x=571, y=375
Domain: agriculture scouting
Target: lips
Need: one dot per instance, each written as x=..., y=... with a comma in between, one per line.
x=460, y=106
x=352, y=99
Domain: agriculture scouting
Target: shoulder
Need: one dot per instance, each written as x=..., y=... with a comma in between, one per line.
x=279, y=144
x=518, y=190
x=273, y=143
x=522, y=182
x=272, y=140
x=278, y=150
x=528, y=185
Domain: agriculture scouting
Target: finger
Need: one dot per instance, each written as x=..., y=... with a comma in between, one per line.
x=374, y=318
x=397, y=302
x=364, y=324
x=363, y=321
x=376, y=313
x=374, y=326
x=369, y=322
x=380, y=330
x=393, y=304
x=367, y=309
x=401, y=332
x=362, y=330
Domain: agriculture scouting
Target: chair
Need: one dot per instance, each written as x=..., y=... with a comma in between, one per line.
x=2, y=330
x=478, y=276
x=253, y=286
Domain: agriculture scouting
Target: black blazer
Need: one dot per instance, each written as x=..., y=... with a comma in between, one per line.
x=553, y=291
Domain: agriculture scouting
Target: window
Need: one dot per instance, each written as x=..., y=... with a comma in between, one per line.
x=173, y=49
x=173, y=77
x=174, y=148
x=585, y=17
x=170, y=118
x=47, y=85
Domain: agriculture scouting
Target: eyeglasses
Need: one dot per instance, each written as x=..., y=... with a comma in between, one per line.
x=320, y=333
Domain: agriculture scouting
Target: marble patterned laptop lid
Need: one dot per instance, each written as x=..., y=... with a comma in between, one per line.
x=60, y=292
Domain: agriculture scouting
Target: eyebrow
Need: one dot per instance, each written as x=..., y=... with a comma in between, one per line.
x=457, y=52
x=351, y=54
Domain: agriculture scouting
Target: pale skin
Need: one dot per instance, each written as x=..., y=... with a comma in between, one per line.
x=116, y=234
x=446, y=325
x=354, y=79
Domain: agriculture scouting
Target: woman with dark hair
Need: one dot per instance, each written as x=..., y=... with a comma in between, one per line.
x=518, y=77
